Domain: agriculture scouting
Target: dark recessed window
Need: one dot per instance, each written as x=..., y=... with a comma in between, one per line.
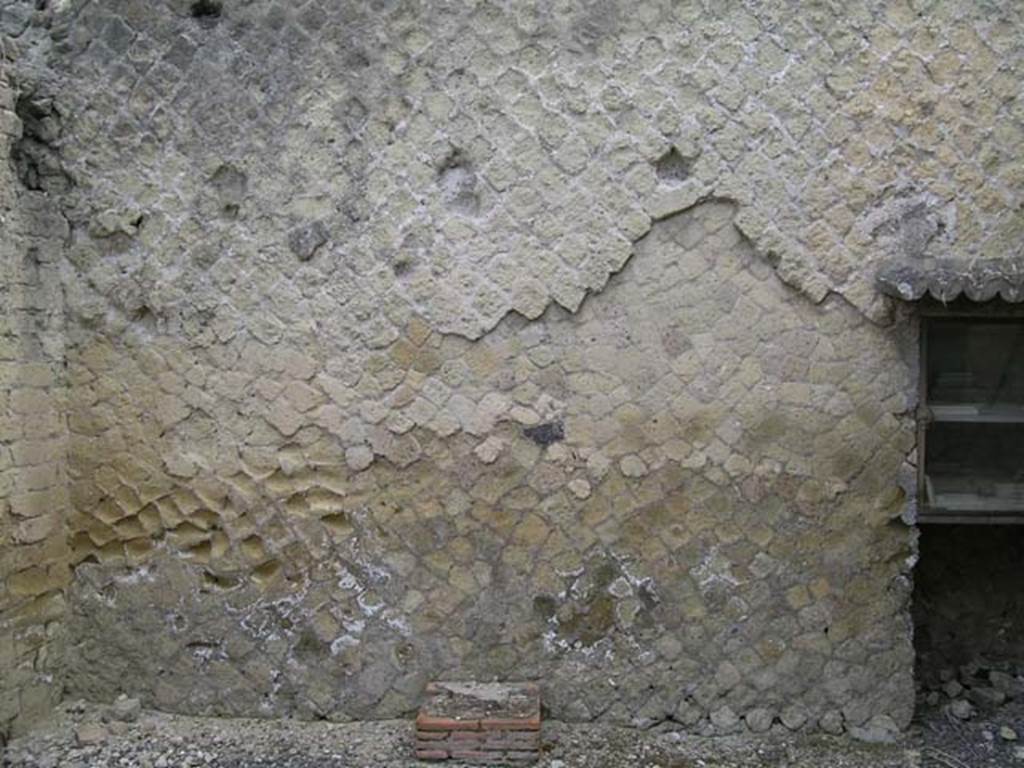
x=971, y=437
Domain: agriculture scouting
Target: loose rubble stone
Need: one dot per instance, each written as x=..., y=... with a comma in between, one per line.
x=305, y=240
x=952, y=689
x=90, y=734
x=986, y=697
x=793, y=717
x=832, y=722
x=961, y=709
x=758, y=720
x=126, y=709
x=725, y=720
x=880, y=729
x=1006, y=684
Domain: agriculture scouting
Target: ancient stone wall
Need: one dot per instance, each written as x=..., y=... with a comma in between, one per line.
x=33, y=434
x=522, y=341
x=656, y=522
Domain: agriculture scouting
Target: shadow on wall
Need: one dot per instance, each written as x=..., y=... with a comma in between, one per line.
x=968, y=604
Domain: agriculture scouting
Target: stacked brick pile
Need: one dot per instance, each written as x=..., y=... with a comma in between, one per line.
x=479, y=722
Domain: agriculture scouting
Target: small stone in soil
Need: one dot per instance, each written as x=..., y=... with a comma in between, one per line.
x=126, y=709
x=90, y=734
x=961, y=710
x=986, y=697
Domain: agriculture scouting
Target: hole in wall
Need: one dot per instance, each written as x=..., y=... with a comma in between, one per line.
x=673, y=167
x=547, y=433
x=458, y=183
x=35, y=155
x=205, y=9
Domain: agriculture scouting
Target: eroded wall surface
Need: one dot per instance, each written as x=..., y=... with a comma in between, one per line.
x=33, y=437
x=519, y=341
x=677, y=500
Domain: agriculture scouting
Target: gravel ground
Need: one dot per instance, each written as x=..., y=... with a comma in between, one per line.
x=980, y=742
x=85, y=736
x=972, y=716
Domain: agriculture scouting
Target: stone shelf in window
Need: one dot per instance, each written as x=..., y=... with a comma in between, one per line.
x=972, y=502
x=932, y=515
x=955, y=498
x=979, y=413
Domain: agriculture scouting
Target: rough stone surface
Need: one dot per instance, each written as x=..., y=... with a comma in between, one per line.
x=315, y=256
x=961, y=709
x=90, y=734
x=125, y=709
x=33, y=435
x=831, y=722
x=716, y=480
x=758, y=720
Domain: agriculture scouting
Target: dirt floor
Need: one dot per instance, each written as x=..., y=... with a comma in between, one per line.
x=89, y=736
x=84, y=736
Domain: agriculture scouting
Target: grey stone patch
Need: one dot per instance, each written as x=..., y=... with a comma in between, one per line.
x=596, y=21
x=114, y=222
x=961, y=709
x=904, y=221
x=831, y=722
x=688, y=713
x=725, y=720
x=352, y=113
x=758, y=720
x=793, y=717
x=674, y=200
x=125, y=709
x=986, y=697
x=952, y=688
x=15, y=18
x=1010, y=685
x=880, y=729
x=230, y=185
x=306, y=240
x=90, y=734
